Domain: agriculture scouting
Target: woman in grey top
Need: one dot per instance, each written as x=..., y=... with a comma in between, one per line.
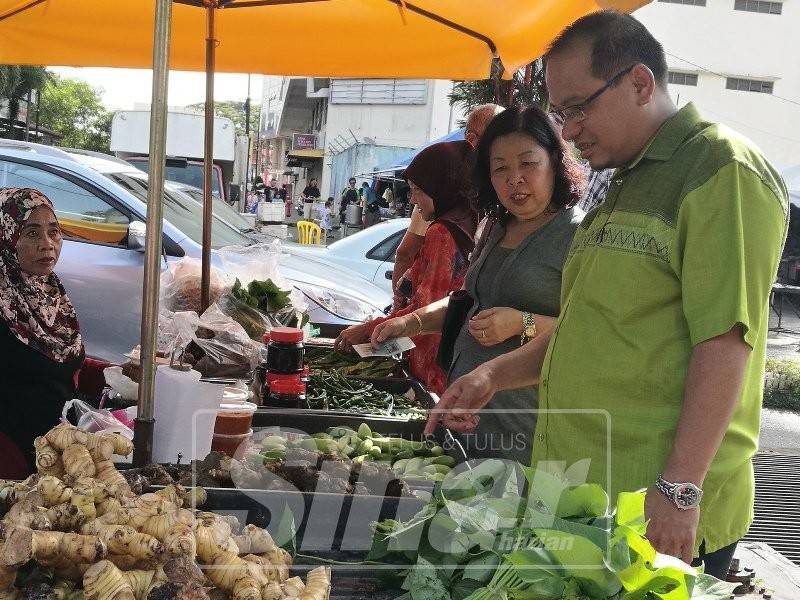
x=529, y=182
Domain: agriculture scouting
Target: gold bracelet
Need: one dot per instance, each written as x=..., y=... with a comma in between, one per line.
x=419, y=321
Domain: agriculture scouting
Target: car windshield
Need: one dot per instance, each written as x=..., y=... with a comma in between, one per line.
x=221, y=209
x=184, y=213
x=191, y=174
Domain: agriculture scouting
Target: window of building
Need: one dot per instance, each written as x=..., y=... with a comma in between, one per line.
x=759, y=6
x=682, y=78
x=749, y=85
x=379, y=91
x=692, y=2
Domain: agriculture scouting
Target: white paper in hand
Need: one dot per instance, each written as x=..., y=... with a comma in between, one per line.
x=388, y=348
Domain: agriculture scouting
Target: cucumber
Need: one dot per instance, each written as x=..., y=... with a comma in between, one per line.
x=405, y=454
x=364, y=431
x=444, y=460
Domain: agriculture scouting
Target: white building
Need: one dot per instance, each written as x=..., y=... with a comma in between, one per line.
x=378, y=118
x=739, y=62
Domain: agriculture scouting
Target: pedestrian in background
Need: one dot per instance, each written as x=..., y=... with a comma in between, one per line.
x=372, y=209
x=310, y=195
x=348, y=196
x=325, y=218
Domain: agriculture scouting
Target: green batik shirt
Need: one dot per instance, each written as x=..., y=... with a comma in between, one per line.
x=684, y=248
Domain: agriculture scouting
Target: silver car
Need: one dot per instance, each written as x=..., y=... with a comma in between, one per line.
x=101, y=264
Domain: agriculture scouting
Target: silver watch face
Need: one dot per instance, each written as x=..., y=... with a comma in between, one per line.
x=686, y=495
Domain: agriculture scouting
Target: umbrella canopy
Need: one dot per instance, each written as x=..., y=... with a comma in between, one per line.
x=436, y=39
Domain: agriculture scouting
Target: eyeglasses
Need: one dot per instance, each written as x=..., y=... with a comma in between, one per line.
x=577, y=112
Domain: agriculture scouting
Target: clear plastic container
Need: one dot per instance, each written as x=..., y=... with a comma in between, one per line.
x=232, y=445
x=234, y=418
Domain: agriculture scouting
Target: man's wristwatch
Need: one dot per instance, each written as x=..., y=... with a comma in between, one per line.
x=683, y=495
x=528, y=328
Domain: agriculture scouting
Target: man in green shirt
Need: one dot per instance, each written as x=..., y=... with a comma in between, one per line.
x=652, y=377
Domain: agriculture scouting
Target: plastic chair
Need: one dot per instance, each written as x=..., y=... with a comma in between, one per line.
x=308, y=231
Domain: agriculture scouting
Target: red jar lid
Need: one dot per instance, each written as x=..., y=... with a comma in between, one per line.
x=271, y=377
x=286, y=386
x=286, y=334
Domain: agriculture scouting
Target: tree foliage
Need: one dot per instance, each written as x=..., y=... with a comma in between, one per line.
x=74, y=109
x=526, y=87
x=16, y=81
x=234, y=111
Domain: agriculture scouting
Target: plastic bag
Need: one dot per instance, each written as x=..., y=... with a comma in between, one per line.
x=124, y=386
x=93, y=420
x=260, y=262
x=223, y=341
x=180, y=285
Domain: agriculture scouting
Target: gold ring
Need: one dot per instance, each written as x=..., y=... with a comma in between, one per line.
x=483, y=333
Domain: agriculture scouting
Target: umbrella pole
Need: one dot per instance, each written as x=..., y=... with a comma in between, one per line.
x=208, y=162
x=143, y=432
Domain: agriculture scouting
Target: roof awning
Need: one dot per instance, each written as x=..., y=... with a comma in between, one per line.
x=309, y=153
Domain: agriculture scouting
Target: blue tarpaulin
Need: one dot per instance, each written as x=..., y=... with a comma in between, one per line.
x=401, y=163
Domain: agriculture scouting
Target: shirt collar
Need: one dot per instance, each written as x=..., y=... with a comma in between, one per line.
x=670, y=135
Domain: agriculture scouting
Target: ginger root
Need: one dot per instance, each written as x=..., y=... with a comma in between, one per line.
x=78, y=462
x=23, y=544
x=48, y=460
x=126, y=541
x=104, y=581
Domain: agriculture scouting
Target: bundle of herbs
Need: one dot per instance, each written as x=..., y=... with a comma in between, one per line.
x=503, y=531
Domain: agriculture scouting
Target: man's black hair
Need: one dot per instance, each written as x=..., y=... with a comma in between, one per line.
x=617, y=41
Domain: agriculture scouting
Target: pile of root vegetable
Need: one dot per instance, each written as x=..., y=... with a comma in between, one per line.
x=298, y=470
x=76, y=531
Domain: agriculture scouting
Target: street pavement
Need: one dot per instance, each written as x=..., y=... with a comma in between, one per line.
x=780, y=430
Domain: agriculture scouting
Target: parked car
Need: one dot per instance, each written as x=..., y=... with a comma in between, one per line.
x=101, y=264
x=369, y=252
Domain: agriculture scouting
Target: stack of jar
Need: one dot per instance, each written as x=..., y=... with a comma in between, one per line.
x=284, y=374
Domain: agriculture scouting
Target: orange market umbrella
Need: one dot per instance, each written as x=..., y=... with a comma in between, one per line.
x=435, y=39
x=432, y=39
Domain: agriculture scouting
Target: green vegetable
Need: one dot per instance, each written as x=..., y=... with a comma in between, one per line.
x=364, y=431
x=448, y=461
x=492, y=543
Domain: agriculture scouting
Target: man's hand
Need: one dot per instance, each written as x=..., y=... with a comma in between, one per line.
x=495, y=325
x=671, y=530
x=461, y=401
x=357, y=334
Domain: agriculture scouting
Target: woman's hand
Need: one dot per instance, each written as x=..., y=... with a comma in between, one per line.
x=460, y=403
x=495, y=325
x=393, y=328
x=357, y=334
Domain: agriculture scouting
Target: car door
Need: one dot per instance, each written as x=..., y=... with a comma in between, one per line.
x=102, y=276
x=381, y=256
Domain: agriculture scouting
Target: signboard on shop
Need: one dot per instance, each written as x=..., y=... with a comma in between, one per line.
x=304, y=141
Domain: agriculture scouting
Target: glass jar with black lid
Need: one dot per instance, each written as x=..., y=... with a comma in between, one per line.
x=285, y=350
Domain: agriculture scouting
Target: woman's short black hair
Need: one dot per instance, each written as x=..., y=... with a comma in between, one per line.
x=531, y=121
